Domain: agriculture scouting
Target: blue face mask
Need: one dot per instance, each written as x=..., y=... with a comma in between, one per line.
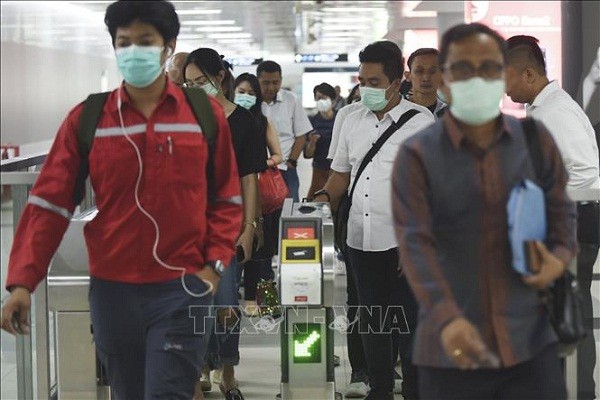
x=244, y=100
x=210, y=89
x=374, y=98
x=139, y=65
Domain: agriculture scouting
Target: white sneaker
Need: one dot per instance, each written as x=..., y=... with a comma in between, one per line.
x=357, y=390
x=397, y=386
x=339, y=267
x=205, y=383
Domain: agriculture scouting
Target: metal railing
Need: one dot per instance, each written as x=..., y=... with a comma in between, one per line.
x=20, y=174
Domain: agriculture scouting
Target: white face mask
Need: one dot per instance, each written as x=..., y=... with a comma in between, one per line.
x=476, y=101
x=324, y=105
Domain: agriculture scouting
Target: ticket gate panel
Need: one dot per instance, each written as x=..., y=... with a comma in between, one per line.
x=306, y=292
x=75, y=357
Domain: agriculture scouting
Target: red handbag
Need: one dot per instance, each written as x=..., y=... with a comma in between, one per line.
x=273, y=190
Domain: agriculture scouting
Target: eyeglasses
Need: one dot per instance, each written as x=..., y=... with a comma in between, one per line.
x=192, y=84
x=463, y=70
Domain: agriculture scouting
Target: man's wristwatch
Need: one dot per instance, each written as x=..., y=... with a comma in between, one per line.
x=217, y=266
x=324, y=193
x=292, y=162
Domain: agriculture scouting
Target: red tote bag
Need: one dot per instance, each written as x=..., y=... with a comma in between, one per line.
x=273, y=190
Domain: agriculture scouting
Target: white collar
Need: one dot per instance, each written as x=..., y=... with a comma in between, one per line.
x=550, y=88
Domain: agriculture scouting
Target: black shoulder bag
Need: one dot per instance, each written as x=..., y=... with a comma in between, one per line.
x=563, y=300
x=343, y=212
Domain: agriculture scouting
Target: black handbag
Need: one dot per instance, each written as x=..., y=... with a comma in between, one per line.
x=563, y=300
x=565, y=307
x=341, y=216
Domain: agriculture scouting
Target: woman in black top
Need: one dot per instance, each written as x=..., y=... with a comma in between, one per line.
x=249, y=96
x=205, y=69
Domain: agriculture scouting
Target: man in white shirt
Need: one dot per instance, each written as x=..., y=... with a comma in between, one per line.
x=284, y=110
x=526, y=82
x=372, y=248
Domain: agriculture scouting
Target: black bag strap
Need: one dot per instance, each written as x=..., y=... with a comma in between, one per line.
x=404, y=118
x=198, y=100
x=533, y=145
x=88, y=121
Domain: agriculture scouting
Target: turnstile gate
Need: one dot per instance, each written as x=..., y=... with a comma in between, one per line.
x=306, y=256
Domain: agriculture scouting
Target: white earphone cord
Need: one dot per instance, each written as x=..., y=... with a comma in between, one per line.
x=150, y=217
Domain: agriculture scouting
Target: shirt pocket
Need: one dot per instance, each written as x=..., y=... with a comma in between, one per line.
x=113, y=164
x=189, y=158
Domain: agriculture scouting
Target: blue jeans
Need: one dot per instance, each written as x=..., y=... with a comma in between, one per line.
x=292, y=181
x=150, y=337
x=224, y=342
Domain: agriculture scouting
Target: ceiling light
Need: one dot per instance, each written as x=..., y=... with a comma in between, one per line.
x=198, y=12
x=341, y=34
x=191, y=36
x=346, y=28
x=80, y=38
x=217, y=22
x=353, y=20
x=230, y=35
x=352, y=9
x=239, y=40
x=219, y=29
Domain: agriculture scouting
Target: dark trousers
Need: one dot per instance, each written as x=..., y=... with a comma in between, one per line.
x=586, y=352
x=538, y=378
x=290, y=176
x=356, y=352
x=259, y=267
x=151, y=338
x=384, y=329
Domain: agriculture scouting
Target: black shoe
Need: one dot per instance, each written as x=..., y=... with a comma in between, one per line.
x=380, y=396
x=336, y=361
x=233, y=394
x=359, y=376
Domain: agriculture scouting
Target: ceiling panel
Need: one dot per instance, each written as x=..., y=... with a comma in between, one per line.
x=234, y=28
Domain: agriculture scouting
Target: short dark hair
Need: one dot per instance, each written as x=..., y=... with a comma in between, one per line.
x=386, y=53
x=211, y=63
x=462, y=31
x=326, y=89
x=424, y=51
x=526, y=48
x=160, y=14
x=268, y=66
x=355, y=89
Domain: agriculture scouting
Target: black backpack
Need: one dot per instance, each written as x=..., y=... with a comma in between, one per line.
x=92, y=111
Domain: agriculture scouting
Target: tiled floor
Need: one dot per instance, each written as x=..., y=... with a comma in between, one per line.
x=259, y=369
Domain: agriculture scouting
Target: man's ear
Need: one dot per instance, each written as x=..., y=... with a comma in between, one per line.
x=530, y=75
x=407, y=75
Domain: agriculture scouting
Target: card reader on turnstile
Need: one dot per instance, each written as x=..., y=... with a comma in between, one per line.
x=306, y=290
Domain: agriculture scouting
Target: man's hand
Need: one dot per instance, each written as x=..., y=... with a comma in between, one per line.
x=208, y=274
x=15, y=312
x=465, y=347
x=551, y=269
x=313, y=137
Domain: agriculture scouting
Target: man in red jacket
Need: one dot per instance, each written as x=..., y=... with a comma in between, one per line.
x=158, y=244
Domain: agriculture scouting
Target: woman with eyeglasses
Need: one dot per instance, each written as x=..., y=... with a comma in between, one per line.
x=249, y=96
x=204, y=68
